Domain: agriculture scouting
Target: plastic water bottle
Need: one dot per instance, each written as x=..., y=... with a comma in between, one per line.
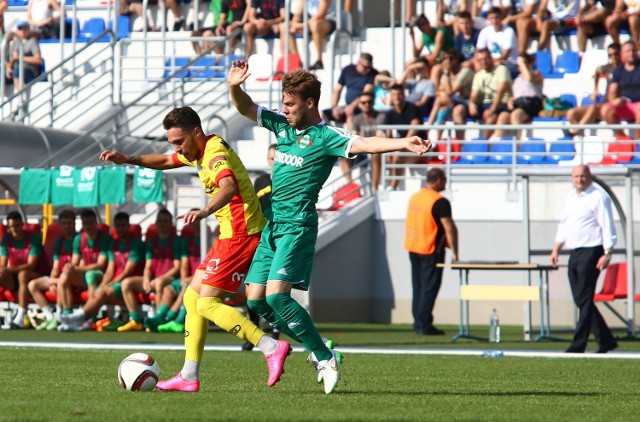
x=494, y=327
x=493, y=354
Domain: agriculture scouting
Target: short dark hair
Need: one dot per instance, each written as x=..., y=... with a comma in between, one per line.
x=366, y=57
x=632, y=42
x=614, y=46
x=88, y=212
x=66, y=213
x=464, y=15
x=396, y=87
x=303, y=84
x=482, y=51
x=435, y=173
x=164, y=211
x=494, y=11
x=366, y=94
x=183, y=117
x=121, y=216
x=14, y=215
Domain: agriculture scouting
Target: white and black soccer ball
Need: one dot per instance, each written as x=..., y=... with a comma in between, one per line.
x=138, y=372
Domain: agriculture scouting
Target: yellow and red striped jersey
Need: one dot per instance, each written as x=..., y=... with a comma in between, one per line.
x=242, y=215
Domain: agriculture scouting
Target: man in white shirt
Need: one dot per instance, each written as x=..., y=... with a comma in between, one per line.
x=587, y=228
x=500, y=40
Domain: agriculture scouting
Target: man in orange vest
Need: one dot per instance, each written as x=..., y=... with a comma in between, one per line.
x=429, y=228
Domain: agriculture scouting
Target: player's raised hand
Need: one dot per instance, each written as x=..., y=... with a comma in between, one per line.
x=238, y=73
x=418, y=145
x=113, y=156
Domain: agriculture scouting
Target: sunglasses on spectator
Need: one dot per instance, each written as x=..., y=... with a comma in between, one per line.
x=366, y=67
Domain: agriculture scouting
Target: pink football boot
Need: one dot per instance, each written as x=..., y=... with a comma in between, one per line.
x=275, y=362
x=178, y=383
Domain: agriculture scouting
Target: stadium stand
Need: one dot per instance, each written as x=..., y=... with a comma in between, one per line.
x=532, y=151
x=474, y=151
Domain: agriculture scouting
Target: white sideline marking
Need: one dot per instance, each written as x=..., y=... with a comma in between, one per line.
x=348, y=350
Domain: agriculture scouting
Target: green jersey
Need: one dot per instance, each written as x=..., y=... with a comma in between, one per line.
x=303, y=162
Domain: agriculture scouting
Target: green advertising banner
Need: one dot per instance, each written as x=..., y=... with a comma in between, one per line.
x=85, y=190
x=112, y=185
x=62, y=186
x=147, y=185
x=35, y=187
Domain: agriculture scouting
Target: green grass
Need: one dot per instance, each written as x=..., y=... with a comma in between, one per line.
x=63, y=385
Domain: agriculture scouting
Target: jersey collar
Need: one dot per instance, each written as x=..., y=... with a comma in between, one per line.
x=300, y=132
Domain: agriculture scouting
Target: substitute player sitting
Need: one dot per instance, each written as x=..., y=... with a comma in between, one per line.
x=235, y=206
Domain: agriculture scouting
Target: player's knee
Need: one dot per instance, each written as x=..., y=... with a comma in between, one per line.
x=207, y=304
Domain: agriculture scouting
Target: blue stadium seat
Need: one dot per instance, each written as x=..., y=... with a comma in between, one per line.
x=562, y=149
x=586, y=100
x=501, y=151
x=474, y=151
x=532, y=151
x=171, y=67
x=91, y=29
x=543, y=62
x=124, y=26
x=566, y=62
x=18, y=3
x=204, y=68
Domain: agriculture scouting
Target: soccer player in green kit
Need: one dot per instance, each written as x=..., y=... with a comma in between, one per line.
x=306, y=151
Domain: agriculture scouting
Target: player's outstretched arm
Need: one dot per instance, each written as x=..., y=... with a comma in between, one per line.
x=152, y=161
x=239, y=73
x=378, y=144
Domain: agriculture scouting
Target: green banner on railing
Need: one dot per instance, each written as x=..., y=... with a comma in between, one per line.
x=35, y=186
x=147, y=185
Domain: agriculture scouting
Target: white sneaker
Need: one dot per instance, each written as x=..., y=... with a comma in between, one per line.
x=70, y=327
x=85, y=326
x=328, y=373
x=76, y=317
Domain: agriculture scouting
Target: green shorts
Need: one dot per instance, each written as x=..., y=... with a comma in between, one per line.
x=117, y=291
x=176, y=285
x=93, y=277
x=285, y=253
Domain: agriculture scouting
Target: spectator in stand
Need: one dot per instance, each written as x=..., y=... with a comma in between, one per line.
x=44, y=17
x=523, y=21
x=410, y=10
x=435, y=40
x=125, y=259
x=162, y=267
x=88, y=262
x=490, y=92
x=20, y=262
x=381, y=93
x=590, y=113
x=239, y=13
x=31, y=56
x=178, y=20
x=454, y=89
x=624, y=89
x=265, y=17
x=500, y=40
x=555, y=17
x=4, y=5
x=590, y=21
x=359, y=125
x=626, y=15
x=449, y=11
x=402, y=113
x=322, y=22
x=199, y=46
x=527, y=100
x=62, y=253
x=480, y=10
x=356, y=78
x=467, y=39
x=421, y=89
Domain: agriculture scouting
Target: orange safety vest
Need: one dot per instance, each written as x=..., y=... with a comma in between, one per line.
x=421, y=229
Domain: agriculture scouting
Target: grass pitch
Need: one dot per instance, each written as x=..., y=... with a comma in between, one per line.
x=68, y=384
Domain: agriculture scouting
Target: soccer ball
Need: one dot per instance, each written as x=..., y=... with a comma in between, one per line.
x=138, y=372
